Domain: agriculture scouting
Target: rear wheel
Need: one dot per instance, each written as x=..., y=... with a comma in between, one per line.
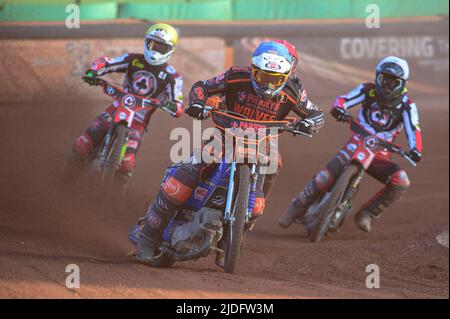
x=327, y=208
x=235, y=231
x=115, y=154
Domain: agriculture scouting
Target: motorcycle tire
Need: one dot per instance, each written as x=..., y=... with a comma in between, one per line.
x=327, y=208
x=235, y=231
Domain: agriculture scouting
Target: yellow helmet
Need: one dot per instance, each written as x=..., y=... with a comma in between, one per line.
x=160, y=42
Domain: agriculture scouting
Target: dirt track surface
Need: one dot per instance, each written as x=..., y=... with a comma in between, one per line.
x=43, y=229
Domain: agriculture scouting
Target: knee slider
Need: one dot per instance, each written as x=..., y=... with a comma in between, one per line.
x=83, y=145
x=400, y=179
x=324, y=180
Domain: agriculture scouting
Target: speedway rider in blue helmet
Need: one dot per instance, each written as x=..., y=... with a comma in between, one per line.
x=265, y=91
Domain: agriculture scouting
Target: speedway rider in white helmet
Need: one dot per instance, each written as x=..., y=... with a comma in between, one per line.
x=386, y=109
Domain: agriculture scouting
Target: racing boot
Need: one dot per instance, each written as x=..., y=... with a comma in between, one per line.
x=300, y=204
x=295, y=211
x=386, y=197
x=149, y=235
x=363, y=220
x=145, y=248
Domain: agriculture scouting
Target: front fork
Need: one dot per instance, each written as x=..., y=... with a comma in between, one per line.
x=252, y=193
x=107, y=144
x=230, y=194
x=352, y=189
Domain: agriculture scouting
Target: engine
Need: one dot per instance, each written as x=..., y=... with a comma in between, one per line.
x=189, y=236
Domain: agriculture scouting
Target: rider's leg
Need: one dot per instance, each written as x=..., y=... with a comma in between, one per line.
x=316, y=187
x=134, y=142
x=174, y=192
x=84, y=144
x=264, y=185
x=396, y=181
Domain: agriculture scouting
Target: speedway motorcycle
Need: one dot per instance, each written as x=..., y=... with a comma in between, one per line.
x=327, y=214
x=215, y=216
x=108, y=155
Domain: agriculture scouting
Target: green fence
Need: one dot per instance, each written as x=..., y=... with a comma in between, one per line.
x=178, y=10
x=55, y=10
x=334, y=9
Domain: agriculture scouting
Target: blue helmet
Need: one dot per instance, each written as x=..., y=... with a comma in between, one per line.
x=270, y=69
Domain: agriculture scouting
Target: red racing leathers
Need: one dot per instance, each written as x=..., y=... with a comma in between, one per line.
x=161, y=82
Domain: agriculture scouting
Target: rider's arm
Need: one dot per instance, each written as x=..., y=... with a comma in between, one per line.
x=309, y=111
x=412, y=128
x=202, y=90
x=174, y=95
x=104, y=65
x=351, y=99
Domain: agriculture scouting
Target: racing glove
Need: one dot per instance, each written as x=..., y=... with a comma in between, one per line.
x=197, y=110
x=415, y=155
x=170, y=106
x=90, y=77
x=339, y=114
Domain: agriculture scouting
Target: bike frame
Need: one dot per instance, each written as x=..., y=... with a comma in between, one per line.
x=224, y=175
x=127, y=105
x=366, y=149
x=369, y=144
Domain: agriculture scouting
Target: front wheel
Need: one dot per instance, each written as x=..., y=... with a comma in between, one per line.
x=329, y=203
x=235, y=229
x=115, y=154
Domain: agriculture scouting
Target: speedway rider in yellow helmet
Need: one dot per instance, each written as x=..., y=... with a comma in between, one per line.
x=146, y=75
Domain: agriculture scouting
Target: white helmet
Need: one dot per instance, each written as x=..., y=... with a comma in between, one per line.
x=160, y=42
x=392, y=74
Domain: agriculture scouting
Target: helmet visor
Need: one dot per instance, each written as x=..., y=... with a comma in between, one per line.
x=269, y=79
x=389, y=82
x=160, y=47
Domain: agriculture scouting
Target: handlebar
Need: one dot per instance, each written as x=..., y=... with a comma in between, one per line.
x=98, y=81
x=388, y=145
x=403, y=154
x=290, y=128
x=144, y=101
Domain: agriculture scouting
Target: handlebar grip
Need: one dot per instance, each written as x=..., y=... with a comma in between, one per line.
x=290, y=129
x=410, y=160
x=97, y=81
